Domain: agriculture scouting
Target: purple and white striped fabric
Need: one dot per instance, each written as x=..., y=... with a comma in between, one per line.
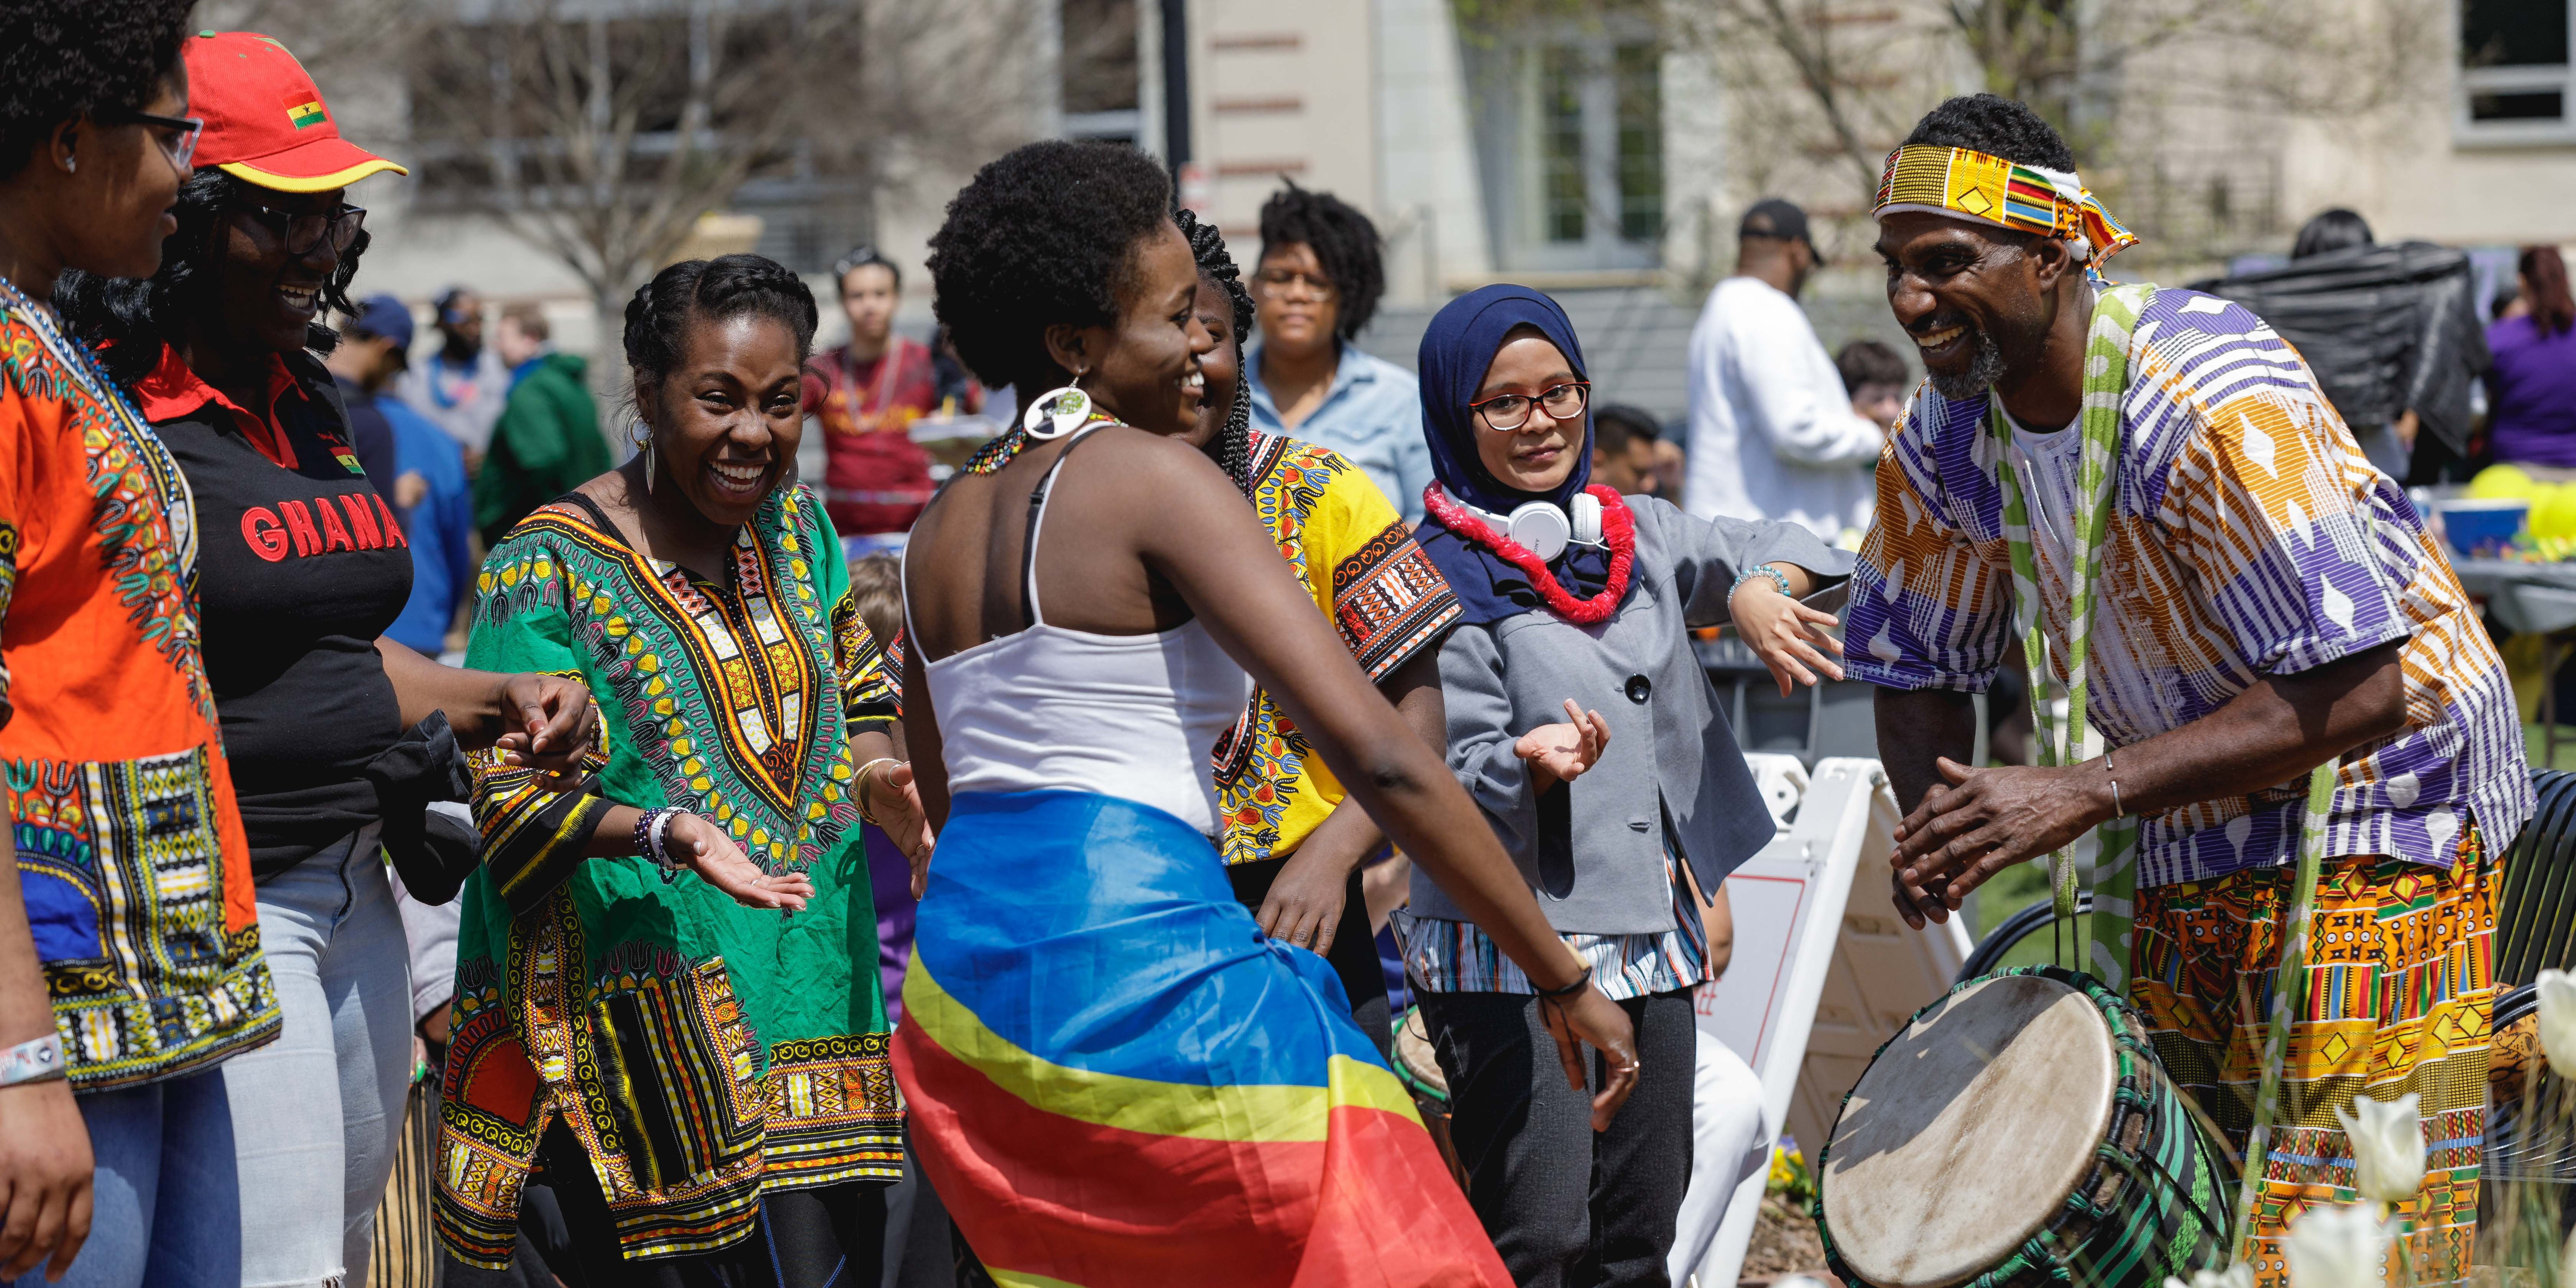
x=2250, y=538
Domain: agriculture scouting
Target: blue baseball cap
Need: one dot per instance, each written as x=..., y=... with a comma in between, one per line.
x=387, y=317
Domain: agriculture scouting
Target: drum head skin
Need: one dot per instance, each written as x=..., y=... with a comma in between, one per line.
x=1968, y=1132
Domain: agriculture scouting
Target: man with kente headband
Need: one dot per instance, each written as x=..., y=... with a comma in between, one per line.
x=2145, y=489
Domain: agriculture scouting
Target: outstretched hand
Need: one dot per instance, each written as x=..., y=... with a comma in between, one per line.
x=1785, y=634
x=697, y=841
x=1563, y=752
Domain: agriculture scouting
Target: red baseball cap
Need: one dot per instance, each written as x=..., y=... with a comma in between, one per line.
x=265, y=122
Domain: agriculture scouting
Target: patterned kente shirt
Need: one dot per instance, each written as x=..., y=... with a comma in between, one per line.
x=2249, y=538
x=1357, y=559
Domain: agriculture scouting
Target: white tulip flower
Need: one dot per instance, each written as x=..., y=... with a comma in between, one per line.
x=2236, y=1275
x=2557, y=991
x=2387, y=1147
x=2339, y=1246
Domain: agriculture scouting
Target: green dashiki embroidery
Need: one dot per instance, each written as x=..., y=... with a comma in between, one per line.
x=701, y=1051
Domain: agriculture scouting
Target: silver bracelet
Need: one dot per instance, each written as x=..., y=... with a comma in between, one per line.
x=2118, y=810
x=35, y=1060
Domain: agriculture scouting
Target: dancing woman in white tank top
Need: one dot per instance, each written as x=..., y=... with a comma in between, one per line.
x=1114, y=1078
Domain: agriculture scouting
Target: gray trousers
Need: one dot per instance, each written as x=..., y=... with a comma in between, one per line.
x=1568, y=1208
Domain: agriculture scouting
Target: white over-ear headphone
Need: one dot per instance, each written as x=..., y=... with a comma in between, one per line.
x=1544, y=529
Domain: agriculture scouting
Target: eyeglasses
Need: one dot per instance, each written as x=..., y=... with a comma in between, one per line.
x=302, y=230
x=1506, y=413
x=1276, y=283
x=185, y=131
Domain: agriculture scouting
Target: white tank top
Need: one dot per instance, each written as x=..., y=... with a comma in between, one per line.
x=1131, y=716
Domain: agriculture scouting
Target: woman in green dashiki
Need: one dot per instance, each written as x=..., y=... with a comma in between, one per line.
x=667, y=993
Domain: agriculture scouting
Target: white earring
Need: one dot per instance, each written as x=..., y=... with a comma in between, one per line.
x=1058, y=412
x=71, y=165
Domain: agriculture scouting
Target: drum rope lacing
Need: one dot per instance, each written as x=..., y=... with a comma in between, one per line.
x=2106, y=378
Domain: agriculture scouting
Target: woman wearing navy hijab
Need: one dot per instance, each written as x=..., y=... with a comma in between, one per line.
x=1579, y=719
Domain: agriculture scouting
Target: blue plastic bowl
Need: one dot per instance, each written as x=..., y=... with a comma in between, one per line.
x=2477, y=528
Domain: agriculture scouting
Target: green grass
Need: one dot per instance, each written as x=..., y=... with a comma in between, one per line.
x=2566, y=747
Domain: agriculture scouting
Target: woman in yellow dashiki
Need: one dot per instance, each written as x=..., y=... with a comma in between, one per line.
x=667, y=990
x=1291, y=849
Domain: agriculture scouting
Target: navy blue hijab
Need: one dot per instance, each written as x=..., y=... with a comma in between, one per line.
x=1456, y=350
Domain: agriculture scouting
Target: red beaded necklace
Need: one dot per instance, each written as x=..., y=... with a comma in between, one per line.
x=1618, y=530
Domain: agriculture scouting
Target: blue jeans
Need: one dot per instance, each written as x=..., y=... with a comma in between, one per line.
x=164, y=1210
x=317, y=1112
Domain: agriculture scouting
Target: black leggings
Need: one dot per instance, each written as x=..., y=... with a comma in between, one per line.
x=1568, y=1207
x=805, y=1238
x=1354, y=955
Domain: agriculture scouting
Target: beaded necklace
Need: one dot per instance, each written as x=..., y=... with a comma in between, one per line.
x=994, y=455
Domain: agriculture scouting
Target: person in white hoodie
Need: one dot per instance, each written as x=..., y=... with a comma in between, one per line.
x=1772, y=431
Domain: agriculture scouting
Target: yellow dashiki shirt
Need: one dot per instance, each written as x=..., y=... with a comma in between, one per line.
x=1358, y=560
x=700, y=1051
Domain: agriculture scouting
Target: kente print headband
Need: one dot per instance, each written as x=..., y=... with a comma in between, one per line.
x=1973, y=185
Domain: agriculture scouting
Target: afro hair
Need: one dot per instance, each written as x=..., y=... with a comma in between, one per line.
x=1045, y=234
x=1344, y=242
x=1996, y=126
x=64, y=59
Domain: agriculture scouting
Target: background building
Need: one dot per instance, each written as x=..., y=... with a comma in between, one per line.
x=1599, y=149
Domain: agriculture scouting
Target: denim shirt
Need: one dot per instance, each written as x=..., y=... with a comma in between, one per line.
x=1372, y=416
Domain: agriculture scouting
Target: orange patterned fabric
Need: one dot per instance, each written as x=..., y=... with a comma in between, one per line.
x=130, y=852
x=2398, y=1000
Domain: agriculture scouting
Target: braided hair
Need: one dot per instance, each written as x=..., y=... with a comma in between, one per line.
x=728, y=286
x=1345, y=244
x=1234, y=438
x=137, y=316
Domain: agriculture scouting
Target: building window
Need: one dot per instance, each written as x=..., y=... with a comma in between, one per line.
x=1561, y=172
x=1641, y=143
x=1570, y=142
x=2514, y=71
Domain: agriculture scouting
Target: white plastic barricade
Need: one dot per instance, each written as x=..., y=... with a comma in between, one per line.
x=1823, y=971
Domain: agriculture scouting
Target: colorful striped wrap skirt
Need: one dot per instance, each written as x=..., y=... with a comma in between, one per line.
x=1114, y=1078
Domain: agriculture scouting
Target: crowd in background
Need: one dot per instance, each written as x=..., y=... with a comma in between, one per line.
x=272, y=707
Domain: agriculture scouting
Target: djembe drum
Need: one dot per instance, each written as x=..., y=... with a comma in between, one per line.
x=2019, y=1132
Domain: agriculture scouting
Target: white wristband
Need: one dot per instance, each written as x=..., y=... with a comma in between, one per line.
x=36, y=1060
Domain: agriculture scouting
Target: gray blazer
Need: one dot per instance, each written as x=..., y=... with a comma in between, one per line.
x=1593, y=851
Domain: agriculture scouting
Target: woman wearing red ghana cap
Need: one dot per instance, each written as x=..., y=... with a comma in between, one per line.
x=337, y=738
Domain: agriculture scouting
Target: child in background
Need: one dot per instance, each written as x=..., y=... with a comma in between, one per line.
x=1876, y=379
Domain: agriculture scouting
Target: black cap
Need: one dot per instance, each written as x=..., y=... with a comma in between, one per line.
x=1773, y=217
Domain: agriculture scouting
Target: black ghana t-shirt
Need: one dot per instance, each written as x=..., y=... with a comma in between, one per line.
x=300, y=566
